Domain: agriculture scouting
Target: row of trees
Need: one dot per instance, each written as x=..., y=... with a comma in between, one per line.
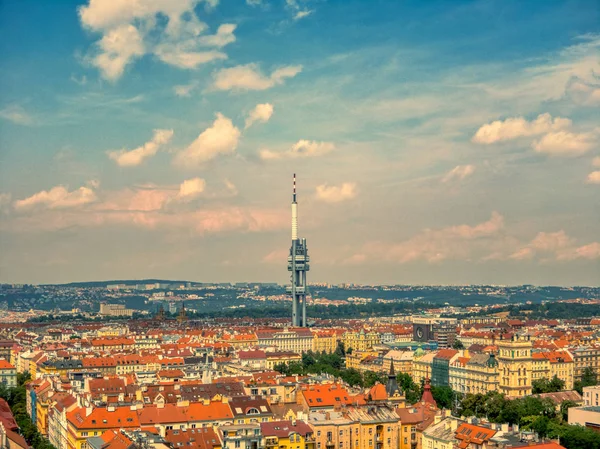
x=530, y=413
x=17, y=399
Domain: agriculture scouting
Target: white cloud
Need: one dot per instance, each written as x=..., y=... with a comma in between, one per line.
x=515, y=127
x=221, y=138
x=118, y=48
x=223, y=36
x=564, y=143
x=461, y=242
x=16, y=114
x=131, y=29
x=249, y=77
x=594, y=177
x=459, y=172
x=302, y=14
x=178, y=56
x=261, y=113
x=302, y=148
x=191, y=189
x=184, y=90
x=583, y=93
x=335, y=194
x=57, y=198
x=556, y=246
x=254, y=2
x=125, y=158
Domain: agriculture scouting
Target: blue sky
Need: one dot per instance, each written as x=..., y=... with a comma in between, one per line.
x=435, y=142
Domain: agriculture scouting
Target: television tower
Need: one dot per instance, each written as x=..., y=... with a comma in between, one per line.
x=298, y=266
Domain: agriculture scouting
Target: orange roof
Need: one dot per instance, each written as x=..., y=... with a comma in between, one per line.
x=470, y=433
x=104, y=418
x=5, y=365
x=554, y=356
x=378, y=393
x=326, y=396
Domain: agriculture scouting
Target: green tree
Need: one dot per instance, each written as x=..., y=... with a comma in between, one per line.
x=340, y=350
x=352, y=377
x=588, y=379
x=371, y=378
x=564, y=409
x=458, y=345
x=443, y=396
x=547, y=386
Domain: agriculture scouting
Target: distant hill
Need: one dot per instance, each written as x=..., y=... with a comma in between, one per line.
x=126, y=282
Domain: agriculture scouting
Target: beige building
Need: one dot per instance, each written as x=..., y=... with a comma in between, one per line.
x=295, y=340
x=474, y=374
x=554, y=363
x=403, y=361
x=361, y=341
x=421, y=367
x=115, y=310
x=591, y=396
x=515, y=365
x=583, y=357
x=366, y=427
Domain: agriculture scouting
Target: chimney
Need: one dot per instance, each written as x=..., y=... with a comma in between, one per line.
x=88, y=411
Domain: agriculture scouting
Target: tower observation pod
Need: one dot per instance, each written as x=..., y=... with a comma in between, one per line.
x=297, y=266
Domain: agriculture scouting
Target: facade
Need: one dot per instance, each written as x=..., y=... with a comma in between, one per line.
x=324, y=342
x=440, y=368
x=591, y=396
x=115, y=310
x=515, y=366
x=403, y=361
x=293, y=340
x=475, y=374
x=8, y=374
x=422, y=367
x=360, y=341
x=584, y=357
x=554, y=363
x=242, y=436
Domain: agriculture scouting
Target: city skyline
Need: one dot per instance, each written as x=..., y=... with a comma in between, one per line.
x=438, y=143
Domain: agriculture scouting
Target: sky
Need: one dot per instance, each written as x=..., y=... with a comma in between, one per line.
x=438, y=142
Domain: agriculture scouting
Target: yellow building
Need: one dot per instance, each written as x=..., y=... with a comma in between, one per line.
x=421, y=367
x=554, y=363
x=91, y=422
x=354, y=359
x=287, y=435
x=324, y=341
x=515, y=365
x=403, y=361
x=275, y=358
x=360, y=341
